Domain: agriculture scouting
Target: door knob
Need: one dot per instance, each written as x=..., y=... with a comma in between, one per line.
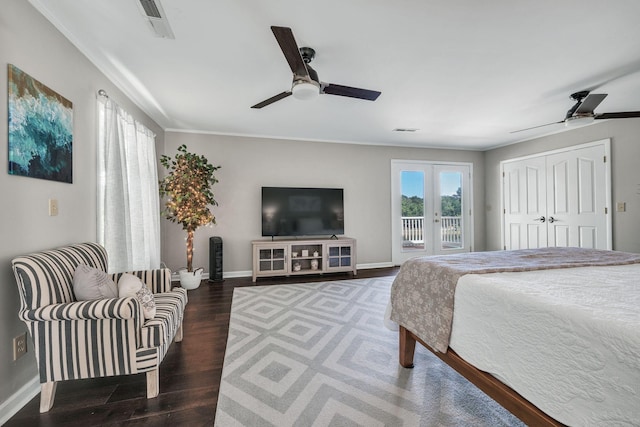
x=552, y=220
x=541, y=219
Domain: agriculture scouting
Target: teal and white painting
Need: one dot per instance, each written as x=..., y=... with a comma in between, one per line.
x=40, y=129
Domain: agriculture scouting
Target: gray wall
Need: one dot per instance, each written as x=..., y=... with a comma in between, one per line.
x=363, y=171
x=625, y=176
x=31, y=43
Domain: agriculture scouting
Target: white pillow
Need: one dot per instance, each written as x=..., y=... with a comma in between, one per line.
x=90, y=283
x=131, y=286
x=128, y=285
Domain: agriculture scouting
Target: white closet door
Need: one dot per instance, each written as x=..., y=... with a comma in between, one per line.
x=525, y=204
x=576, y=206
x=560, y=198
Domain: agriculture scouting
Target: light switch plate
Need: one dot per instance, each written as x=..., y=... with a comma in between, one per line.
x=53, y=207
x=621, y=206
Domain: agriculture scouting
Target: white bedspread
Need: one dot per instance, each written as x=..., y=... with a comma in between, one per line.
x=567, y=340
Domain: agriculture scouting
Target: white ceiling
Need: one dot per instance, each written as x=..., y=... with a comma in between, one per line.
x=464, y=72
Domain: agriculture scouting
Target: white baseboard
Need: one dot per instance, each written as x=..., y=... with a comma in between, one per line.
x=232, y=274
x=374, y=265
x=19, y=399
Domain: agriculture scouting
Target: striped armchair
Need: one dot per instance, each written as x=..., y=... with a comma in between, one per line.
x=97, y=338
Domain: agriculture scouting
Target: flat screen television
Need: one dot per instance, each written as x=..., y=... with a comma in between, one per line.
x=288, y=211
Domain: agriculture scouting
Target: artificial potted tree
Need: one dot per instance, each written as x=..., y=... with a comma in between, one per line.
x=188, y=191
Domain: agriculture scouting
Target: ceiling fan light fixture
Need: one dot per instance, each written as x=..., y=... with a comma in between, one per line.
x=303, y=89
x=579, y=120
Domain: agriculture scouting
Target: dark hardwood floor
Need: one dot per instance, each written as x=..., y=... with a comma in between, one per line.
x=189, y=374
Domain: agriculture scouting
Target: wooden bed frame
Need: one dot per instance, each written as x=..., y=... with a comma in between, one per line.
x=498, y=391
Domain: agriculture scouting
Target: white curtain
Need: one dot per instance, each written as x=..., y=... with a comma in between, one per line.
x=128, y=199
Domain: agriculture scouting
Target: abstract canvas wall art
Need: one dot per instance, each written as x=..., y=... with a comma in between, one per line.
x=40, y=129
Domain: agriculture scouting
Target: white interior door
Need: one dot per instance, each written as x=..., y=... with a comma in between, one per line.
x=525, y=204
x=559, y=198
x=576, y=199
x=431, y=209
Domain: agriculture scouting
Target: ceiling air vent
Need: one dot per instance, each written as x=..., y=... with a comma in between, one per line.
x=152, y=10
x=405, y=130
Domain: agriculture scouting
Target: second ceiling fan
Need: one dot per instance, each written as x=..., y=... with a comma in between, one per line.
x=306, y=83
x=582, y=111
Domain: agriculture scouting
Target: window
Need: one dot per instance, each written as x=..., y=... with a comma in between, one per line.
x=128, y=198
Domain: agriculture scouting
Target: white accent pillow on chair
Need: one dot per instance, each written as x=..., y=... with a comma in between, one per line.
x=131, y=286
x=90, y=283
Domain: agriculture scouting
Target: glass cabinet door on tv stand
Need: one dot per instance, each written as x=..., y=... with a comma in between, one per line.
x=339, y=256
x=271, y=260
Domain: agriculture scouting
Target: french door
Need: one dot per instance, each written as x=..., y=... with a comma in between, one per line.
x=430, y=209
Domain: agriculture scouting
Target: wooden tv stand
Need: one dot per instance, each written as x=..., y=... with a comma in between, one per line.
x=293, y=257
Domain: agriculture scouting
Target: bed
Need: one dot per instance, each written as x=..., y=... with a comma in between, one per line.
x=552, y=334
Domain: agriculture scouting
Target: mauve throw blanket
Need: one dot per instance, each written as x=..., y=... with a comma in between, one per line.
x=422, y=293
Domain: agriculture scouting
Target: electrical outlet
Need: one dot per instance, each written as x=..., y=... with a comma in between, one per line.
x=19, y=346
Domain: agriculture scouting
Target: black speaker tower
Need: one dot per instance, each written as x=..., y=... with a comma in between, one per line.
x=215, y=259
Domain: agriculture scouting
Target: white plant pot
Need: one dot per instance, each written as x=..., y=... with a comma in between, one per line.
x=190, y=279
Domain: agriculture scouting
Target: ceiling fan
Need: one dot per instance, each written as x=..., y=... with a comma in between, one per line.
x=582, y=111
x=306, y=84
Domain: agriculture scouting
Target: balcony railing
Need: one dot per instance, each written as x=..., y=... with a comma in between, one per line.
x=450, y=231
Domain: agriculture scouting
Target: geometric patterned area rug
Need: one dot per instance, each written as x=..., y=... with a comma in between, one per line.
x=318, y=354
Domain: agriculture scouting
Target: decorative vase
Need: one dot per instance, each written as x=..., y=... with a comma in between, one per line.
x=297, y=266
x=314, y=264
x=190, y=279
